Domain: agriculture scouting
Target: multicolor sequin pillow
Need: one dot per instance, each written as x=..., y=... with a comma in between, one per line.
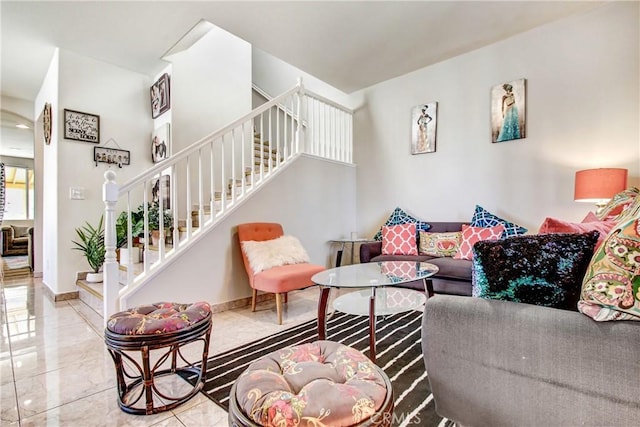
x=484, y=218
x=439, y=244
x=401, y=217
x=544, y=269
x=616, y=207
x=611, y=287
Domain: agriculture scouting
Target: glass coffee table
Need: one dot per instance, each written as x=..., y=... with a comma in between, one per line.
x=380, y=278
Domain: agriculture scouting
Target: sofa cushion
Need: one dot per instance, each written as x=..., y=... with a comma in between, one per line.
x=553, y=225
x=615, y=208
x=449, y=268
x=418, y=258
x=398, y=216
x=20, y=231
x=439, y=244
x=545, y=269
x=471, y=235
x=484, y=218
x=611, y=287
x=399, y=240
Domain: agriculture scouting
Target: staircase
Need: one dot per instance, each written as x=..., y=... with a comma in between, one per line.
x=212, y=178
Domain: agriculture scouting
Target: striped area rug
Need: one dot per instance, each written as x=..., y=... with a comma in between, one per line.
x=399, y=354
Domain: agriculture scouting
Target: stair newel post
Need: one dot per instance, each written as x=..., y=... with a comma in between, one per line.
x=110, y=197
x=301, y=116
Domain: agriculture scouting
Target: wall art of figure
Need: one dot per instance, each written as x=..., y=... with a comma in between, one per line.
x=423, y=128
x=508, y=111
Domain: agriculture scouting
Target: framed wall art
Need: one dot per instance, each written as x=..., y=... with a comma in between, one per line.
x=160, y=96
x=112, y=156
x=161, y=189
x=423, y=128
x=508, y=111
x=161, y=143
x=81, y=126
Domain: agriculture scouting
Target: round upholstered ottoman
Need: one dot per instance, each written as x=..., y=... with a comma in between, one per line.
x=132, y=335
x=322, y=383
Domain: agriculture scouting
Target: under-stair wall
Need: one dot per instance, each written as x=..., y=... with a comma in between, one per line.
x=313, y=198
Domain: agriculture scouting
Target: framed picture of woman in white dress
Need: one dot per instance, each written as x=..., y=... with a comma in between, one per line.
x=423, y=128
x=508, y=111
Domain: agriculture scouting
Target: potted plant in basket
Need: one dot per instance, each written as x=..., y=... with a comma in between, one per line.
x=122, y=228
x=91, y=244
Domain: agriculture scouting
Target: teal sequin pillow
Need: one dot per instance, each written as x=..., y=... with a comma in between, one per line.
x=399, y=217
x=545, y=269
x=484, y=218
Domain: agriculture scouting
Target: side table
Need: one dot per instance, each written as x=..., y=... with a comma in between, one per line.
x=343, y=243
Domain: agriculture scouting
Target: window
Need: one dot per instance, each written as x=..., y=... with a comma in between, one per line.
x=19, y=193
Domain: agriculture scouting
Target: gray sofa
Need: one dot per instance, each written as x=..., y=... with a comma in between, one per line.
x=498, y=363
x=454, y=275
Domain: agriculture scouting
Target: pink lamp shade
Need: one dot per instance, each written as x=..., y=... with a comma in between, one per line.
x=599, y=185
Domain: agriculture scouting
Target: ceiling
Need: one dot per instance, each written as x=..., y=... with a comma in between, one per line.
x=350, y=45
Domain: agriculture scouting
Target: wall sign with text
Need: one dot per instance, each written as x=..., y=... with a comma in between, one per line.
x=81, y=126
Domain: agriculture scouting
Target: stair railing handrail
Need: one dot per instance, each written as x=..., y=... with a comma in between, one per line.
x=185, y=152
x=321, y=98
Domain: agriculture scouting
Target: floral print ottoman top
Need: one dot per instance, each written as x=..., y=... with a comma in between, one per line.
x=158, y=318
x=319, y=384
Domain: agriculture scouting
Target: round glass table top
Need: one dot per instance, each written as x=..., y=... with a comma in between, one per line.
x=376, y=274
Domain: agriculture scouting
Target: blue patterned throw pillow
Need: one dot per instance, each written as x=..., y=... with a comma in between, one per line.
x=484, y=218
x=544, y=269
x=398, y=217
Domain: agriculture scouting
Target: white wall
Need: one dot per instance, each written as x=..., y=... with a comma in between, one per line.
x=275, y=76
x=582, y=112
x=45, y=238
x=313, y=199
x=121, y=99
x=211, y=86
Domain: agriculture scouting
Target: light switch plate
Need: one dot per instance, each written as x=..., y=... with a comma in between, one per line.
x=76, y=193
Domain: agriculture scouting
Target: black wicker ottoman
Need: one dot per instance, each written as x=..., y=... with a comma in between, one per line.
x=322, y=383
x=131, y=337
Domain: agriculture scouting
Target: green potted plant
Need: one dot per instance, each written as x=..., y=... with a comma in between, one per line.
x=122, y=228
x=154, y=222
x=91, y=244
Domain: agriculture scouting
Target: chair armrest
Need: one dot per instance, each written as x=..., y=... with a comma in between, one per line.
x=504, y=363
x=370, y=250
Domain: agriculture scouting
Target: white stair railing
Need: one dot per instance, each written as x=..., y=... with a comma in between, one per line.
x=198, y=186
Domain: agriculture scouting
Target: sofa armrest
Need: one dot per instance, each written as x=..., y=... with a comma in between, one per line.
x=370, y=250
x=503, y=363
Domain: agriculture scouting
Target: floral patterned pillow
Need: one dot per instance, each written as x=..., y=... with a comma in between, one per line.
x=440, y=244
x=616, y=208
x=611, y=286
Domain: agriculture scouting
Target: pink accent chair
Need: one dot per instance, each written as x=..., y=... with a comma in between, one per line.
x=277, y=280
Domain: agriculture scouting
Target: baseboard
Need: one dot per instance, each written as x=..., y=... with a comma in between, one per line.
x=65, y=296
x=239, y=303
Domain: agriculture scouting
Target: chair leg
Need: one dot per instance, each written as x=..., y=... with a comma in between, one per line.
x=254, y=297
x=286, y=297
x=279, y=308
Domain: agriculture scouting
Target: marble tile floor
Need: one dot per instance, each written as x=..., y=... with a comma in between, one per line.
x=55, y=369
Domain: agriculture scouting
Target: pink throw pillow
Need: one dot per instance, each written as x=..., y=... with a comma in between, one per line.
x=399, y=240
x=553, y=226
x=471, y=235
x=591, y=217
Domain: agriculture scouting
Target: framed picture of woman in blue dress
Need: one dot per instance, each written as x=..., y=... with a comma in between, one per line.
x=508, y=111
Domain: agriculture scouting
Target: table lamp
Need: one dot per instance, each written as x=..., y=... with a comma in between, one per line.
x=599, y=185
